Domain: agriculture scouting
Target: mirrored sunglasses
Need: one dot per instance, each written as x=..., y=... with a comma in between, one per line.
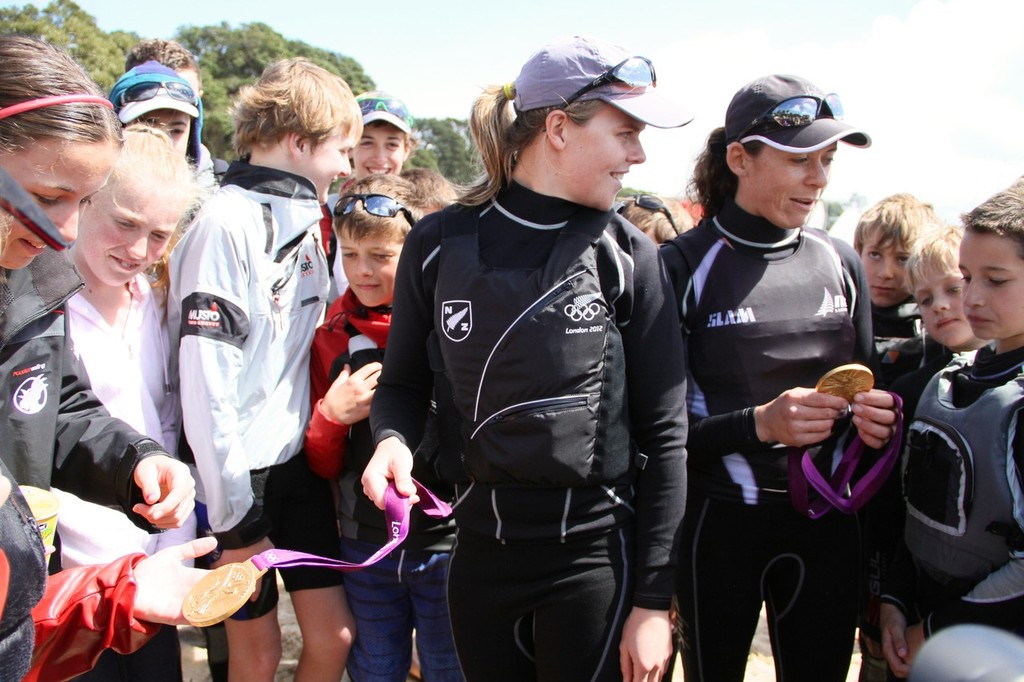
x=656, y=205
x=796, y=112
x=379, y=205
x=140, y=92
x=636, y=72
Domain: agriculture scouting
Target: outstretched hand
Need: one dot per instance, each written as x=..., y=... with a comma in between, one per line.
x=163, y=582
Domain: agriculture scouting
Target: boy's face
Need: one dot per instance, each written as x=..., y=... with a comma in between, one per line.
x=370, y=265
x=993, y=272
x=381, y=151
x=176, y=124
x=322, y=164
x=886, y=270
x=940, y=298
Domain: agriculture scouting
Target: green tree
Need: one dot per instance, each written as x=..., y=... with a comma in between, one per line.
x=232, y=57
x=64, y=23
x=447, y=147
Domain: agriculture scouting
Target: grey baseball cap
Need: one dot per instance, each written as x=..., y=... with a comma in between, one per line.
x=747, y=117
x=559, y=70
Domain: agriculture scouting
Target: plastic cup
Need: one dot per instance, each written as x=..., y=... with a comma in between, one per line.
x=44, y=506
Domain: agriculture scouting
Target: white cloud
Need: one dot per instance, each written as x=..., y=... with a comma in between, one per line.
x=939, y=91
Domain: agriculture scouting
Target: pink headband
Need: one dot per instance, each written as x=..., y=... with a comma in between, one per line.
x=41, y=102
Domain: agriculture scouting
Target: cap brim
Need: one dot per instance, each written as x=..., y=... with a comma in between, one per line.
x=648, y=107
x=20, y=204
x=387, y=117
x=134, y=110
x=821, y=133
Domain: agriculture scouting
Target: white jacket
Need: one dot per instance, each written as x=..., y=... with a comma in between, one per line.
x=249, y=285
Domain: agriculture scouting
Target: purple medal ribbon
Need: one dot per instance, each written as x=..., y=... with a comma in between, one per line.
x=396, y=515
x=804, y=475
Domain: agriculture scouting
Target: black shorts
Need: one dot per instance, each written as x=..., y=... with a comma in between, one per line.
x=302, y=517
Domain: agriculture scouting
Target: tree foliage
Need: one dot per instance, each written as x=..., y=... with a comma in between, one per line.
x=447, y=147
x=64, y=23
x=229, y=57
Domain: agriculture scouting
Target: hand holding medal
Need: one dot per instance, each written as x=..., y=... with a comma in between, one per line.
x=846, y=381
x=225, y=589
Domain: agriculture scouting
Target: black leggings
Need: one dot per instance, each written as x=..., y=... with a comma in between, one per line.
x=546, y=612
x=734, y=557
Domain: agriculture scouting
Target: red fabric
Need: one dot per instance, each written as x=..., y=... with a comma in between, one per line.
x=325, y=439
x=86, y=610
x=325, y=228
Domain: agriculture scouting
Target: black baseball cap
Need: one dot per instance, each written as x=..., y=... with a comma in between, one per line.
x=756, y=112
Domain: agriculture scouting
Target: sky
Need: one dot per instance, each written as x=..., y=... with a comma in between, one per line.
x=937, y=84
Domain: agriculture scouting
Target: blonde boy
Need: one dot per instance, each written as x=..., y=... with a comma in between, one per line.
x=884, y=238
x=934, y=276
x=248, y=286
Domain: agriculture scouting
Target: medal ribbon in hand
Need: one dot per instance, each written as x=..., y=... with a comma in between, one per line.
x=226, y=589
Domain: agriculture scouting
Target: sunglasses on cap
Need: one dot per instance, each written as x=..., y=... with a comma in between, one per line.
x=655, y=205
x=390, y=105
x=379, y=205
x=140, y=92
x=636, y=72
x=796, y=112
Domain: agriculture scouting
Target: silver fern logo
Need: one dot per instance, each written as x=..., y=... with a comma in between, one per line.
x=832, y=304
x=457, y=319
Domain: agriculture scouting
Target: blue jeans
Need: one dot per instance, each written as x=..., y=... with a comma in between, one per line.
x=403, y=592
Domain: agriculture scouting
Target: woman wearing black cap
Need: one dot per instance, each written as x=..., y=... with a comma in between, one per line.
x=551, y=331
x=768, y=306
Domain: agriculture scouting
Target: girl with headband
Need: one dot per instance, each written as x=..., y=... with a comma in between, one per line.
x=59, y=139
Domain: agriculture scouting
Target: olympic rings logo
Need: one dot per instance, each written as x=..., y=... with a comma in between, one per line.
x=579, y=313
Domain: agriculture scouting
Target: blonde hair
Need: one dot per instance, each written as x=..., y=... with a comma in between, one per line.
x=294, y=96
x=937, y=251
x=433, y=190
x=500, y=133
x=900, y=219
x=653, y=221
x=33, y=69
x=360, y=224
x=149, y=155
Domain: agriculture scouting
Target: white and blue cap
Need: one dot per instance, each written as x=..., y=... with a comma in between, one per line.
x=585, y=68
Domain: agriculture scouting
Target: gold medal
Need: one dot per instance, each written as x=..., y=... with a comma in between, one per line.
x=846, y=381
x=220, y=593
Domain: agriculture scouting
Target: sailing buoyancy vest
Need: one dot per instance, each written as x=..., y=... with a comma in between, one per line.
x=756, y=327
x=959, y=479
x=534, y=359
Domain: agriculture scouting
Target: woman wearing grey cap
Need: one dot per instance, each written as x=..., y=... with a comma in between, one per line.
x=768, y=306
x=541, y=321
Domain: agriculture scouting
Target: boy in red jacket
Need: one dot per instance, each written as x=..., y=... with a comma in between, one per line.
x=371, y=220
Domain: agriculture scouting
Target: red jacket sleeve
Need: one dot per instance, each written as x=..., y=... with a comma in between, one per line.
x=86, y=610
x=325, y=444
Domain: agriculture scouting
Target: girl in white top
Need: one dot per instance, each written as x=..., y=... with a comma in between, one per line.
x=118, y=324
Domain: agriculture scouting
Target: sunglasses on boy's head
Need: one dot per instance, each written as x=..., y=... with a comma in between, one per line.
x=636, y=72
x=653, y=203
x=392, y=106
x=140, y=92
x=379, y=205
x=798, y=111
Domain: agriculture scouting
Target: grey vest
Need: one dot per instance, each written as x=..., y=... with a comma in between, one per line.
x=958, y=478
